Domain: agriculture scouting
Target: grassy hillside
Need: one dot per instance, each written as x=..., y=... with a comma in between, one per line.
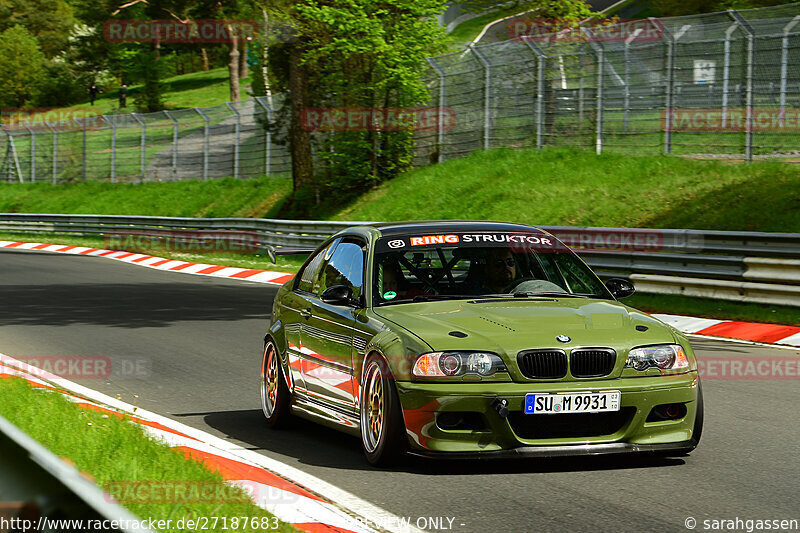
x=550, y=187
x=568, y=187
x=198, y=89
x=215, y=198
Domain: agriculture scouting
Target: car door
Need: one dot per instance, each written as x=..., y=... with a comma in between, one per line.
x=293, y=312
x=327, y=335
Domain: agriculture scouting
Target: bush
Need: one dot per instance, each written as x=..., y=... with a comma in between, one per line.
x=61, y=87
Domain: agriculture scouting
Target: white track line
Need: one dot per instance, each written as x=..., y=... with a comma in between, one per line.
x=364, y=512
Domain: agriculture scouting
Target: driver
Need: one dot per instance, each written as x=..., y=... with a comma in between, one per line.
x=501, y=270
x=491, y=272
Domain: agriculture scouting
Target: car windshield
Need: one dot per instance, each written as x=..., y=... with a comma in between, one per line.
x=490, y=264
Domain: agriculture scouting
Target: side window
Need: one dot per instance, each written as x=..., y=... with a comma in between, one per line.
x=309, y=273
x=346, y=267
x=578, y=279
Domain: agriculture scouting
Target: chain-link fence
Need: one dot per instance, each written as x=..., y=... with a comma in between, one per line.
x=199, y=143
x=723, y=85
x=719, y=85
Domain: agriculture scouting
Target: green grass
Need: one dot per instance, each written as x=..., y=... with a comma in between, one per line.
x=561, y=186
x=555, y=186
x=257, y=198
x=113, y=450
x=718, y=309
x=468, y=30
x=198, y=89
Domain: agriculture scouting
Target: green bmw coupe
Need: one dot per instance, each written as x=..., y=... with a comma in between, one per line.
x=474, y=339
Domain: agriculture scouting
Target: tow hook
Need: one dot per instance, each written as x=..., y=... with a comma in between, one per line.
x=501, y=406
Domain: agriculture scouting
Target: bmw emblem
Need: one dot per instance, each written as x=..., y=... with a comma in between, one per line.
x=563, y=338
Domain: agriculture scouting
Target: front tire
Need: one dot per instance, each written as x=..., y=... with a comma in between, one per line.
x=697, y=432
x=274, y=391
x=382, y=427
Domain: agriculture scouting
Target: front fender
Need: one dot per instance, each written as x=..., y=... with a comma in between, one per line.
x=400, y=352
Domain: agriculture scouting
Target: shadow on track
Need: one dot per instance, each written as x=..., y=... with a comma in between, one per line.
x=132, y=305
x=317, y=445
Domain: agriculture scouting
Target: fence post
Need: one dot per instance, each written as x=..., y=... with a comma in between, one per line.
x=580, y=91
x=12, y=153
x=726, y=69
x=540, y=59
x=672, y=43
x=268, y=132
x=113, y=148
x=487, y=84
x=33, y=150
x=751, y=36
x=236, y=140
x=598, y=47
x=83, y=147
x=55, y=150
x=205, y=142
x=632, y=37
x=785, y=65
x=142, y=142
x=441, y=104
x=174, y=144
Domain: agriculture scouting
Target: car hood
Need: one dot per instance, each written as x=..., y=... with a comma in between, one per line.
x=508, y=326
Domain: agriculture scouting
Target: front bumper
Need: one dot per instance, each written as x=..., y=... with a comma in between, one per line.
x=613, y=448
x=520, y=435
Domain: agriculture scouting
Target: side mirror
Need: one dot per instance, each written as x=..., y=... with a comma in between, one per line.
x=620, y=288
x=338, y=295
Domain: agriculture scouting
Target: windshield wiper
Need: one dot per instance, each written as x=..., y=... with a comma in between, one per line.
x=429, y=297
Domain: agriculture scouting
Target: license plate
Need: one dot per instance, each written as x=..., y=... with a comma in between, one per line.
x=572, y=402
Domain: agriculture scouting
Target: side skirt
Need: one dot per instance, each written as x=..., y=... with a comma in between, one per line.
x=333, y=418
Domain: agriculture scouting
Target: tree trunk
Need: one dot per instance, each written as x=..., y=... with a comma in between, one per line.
x=233, y=67
x=299, y=138
x=243, y=68
x=265, y=60
x=204, y=55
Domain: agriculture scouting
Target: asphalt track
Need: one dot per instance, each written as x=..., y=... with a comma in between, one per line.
x=198, y=343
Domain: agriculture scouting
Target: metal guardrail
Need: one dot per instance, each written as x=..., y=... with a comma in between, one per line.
x=739, y=266
x=37, y=486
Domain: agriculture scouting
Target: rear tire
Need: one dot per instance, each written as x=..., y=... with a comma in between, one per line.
x=382, y=426
x=274, y=391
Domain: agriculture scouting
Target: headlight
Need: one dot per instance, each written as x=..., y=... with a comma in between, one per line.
x=448, y=364
x=662, y=356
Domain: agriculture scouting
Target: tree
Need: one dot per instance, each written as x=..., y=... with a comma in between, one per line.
x=567, y=11
x=354, y=54
x=22, y=67
x=50, y=21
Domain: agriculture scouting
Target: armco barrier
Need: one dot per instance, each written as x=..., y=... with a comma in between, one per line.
x=746, y=266
x=44, y=488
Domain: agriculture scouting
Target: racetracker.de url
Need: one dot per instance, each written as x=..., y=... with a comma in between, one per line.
x=232, y=523
x=741, y=524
